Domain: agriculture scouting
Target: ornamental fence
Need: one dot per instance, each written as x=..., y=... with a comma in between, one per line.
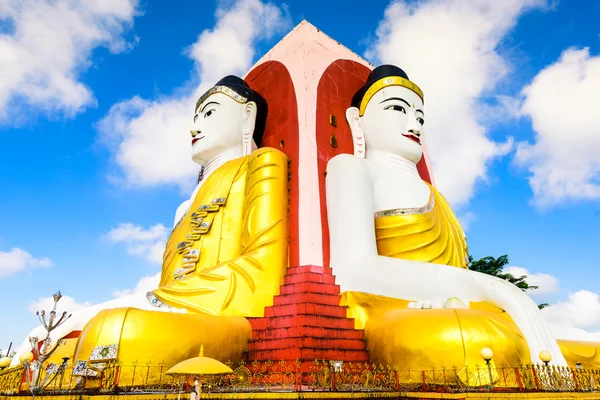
x=319, y=375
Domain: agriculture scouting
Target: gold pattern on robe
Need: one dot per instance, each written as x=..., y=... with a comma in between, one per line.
x=242, y=257
x=425, y=338
x=430, y=233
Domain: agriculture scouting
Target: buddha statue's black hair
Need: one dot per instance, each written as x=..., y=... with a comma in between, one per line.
x=383, y=71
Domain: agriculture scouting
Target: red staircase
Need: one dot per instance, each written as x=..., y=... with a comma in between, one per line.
x=306, y=322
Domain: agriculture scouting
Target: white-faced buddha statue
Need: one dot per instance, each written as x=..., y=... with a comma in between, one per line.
x=232, y=239
x=400, y=255
x=227, y=253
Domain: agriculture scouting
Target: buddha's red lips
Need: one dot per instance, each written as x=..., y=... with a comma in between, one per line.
x=194, y=140
x=413, y=138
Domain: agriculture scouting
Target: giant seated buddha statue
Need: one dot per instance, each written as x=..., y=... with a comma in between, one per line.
x=400, y=254
x=226, y=255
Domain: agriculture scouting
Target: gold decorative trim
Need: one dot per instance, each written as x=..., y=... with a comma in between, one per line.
x=384, y=82
x=408, y=211
x=155, y=301
x=221, y=89
x=324, y=395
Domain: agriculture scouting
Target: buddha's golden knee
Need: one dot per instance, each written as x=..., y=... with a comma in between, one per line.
x=420, y=339
x=155, y=337
x=434, y=338
x=585, y=353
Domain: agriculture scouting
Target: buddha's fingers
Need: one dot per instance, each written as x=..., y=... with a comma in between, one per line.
x=524, y=313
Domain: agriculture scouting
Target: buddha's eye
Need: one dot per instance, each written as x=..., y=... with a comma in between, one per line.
x=195, y=117
x=396, y=108
x=421, y=121
x=208, y=113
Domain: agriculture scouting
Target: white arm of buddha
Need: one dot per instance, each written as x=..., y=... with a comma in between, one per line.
x=358, y=267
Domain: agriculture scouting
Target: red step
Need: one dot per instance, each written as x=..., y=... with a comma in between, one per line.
x=308, y=320
x=309, y=287
x=306, y=331
x=309, y=354
x=316, y=298
x=309, y=268
x=305, y=309
x=308, y=277
x=310, y=342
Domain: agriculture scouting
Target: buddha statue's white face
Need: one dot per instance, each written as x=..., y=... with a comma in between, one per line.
x=219, y=124
x=392, y=122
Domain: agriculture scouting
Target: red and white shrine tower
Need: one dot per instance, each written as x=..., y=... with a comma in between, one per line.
x=308, y=80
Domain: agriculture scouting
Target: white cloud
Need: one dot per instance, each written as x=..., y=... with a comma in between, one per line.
x=150, y=138
x=581, y=310
x=563, y=104
x=449, y=48
x=546, y=282
x=149, y=243
x=17, y=260
x=51, y=44
x=66, y=303
x=465, y=219
x=145, y=284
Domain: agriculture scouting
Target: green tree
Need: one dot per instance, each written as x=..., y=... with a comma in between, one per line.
x=495, y=267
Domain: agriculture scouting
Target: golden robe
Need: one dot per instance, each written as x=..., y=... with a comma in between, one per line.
x=224, y=260
x=430, y=233
x=238, y=249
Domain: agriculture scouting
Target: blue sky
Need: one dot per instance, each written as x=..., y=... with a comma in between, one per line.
x=81, y=111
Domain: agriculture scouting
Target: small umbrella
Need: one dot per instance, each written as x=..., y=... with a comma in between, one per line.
x=200, y=366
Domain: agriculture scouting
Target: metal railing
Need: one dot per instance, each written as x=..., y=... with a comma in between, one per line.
x=318, y=375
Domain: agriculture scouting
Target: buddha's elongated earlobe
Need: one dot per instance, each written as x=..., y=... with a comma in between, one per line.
x=248, y=128
x=246, y=142
x=358, y=137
